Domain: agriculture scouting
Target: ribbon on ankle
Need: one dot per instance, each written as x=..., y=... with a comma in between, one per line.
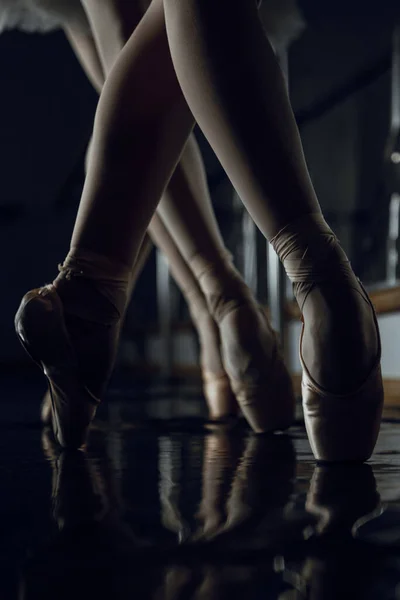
x=85, y=263
x=311, y=253
x=110, y=278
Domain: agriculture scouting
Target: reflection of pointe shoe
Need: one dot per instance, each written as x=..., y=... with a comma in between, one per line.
x=79, y=496
x=221, y=456
x=249, y=348
x=177, y=580
x=340, y=495
x=41, y=328
x=245, y=486
x=341, y=426
x=261, y=488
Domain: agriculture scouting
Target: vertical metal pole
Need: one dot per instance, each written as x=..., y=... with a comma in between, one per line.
x=250, y=266
x=164, y=313
x=393, y=236
x=395, y=104
x=392, y=259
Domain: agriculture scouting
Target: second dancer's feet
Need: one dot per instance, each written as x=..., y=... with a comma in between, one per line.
x=249, y=348
x=220, y=399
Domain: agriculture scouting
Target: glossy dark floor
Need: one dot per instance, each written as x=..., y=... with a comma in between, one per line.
x=163, y=506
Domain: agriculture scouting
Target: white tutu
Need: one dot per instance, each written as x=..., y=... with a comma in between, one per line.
x=282, y=19
x=283, y=22
x=39, y=16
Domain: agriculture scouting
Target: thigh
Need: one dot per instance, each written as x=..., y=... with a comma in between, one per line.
x=112, y=23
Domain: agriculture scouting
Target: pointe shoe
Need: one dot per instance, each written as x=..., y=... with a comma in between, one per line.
x=40, y=326
x=343, y=427
x=221, y=402
x=257, y=373
x=218, y=393
x=250, y=351
x=340, y=427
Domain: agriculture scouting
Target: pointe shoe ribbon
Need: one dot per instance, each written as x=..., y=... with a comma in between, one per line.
x=340, y=427
x=41, y=326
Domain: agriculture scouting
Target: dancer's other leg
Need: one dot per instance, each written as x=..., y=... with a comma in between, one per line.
x=220, y=400
x=237, y=94
x=218, y=394
x=249, y=347
x=72, y=327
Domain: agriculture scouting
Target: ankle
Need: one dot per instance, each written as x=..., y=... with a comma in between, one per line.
x=197, y=305
x=93, y=287
x=222, y=285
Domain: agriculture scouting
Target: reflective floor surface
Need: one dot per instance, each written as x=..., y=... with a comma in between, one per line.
x=165, y=506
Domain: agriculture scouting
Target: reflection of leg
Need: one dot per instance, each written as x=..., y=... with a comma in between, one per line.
x=79, y=492
x=238, y=96
x=221, y=455
x=340, y=496
x=170, y=469
x=263, y=481
x=211, y=587
x=177, y=581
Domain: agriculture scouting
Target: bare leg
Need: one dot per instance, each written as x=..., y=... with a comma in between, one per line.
x=217, y=391
x=142, y=119
x=249, y=347
x=187, y=213
x=78, y=31
x=141, y=95
x=71, y=327
x=109, y=39
x=238, y=96
x=242, y=106
x=83, y=45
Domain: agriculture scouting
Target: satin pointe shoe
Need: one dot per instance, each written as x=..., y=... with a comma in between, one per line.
x=73, y=343
x=70, y=406
x=340, y=426
x=257, y=373
x=250, y=350
x=217, y=391
x=220, y=399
